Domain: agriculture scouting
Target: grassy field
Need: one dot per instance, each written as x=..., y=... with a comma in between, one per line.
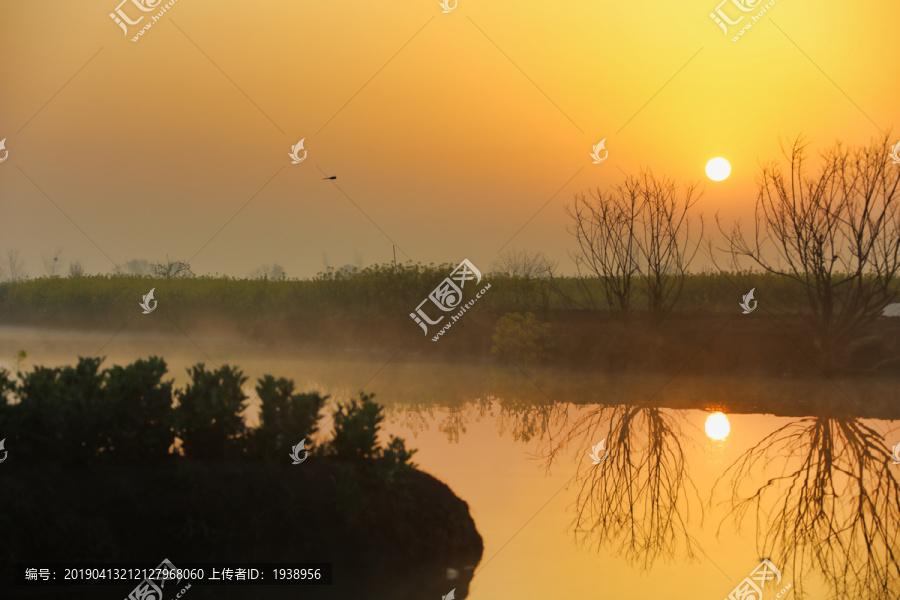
x=526, y=320
x=109, y=300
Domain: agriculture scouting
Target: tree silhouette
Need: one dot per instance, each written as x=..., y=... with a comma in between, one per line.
x=836, y=233
x=172, y=268
x=640, y=230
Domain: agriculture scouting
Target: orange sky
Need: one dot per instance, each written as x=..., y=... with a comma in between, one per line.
x=450, y=131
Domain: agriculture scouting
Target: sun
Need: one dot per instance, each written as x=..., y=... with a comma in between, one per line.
x=717, y=426
x=718, y=169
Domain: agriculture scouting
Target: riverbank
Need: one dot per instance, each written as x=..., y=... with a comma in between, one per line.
x=737, y=344
x=368, y=313
x=403, y=534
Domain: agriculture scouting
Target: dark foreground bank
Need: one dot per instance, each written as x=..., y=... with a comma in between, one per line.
x=401, y=535
x=117, y=465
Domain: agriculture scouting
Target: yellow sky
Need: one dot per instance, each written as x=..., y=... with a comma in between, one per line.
x=450, y=131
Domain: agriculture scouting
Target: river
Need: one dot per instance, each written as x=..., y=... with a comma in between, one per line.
x=656, y=518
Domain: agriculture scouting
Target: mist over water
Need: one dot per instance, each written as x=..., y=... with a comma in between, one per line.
x=514, y=444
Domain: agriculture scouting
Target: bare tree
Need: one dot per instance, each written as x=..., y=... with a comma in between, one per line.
x=605, y=227
x=52, y=265
x=664, y=243
x=638, y=230
x=836, y=233
x=76, y=269
x=830, y=500
x=527, y=275
x=171, y=269
x=521, y=263
x=15, y=265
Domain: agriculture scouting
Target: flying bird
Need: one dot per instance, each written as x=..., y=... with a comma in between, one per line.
x=333, y=177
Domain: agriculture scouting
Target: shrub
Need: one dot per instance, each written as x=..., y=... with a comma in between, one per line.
x=523, y=339
x=208, y=417
x=126, y=413
x=7, y=388
x=137, y=406
x=285, y=417
x=395, y=454
x=59, y=415
x=356, y=427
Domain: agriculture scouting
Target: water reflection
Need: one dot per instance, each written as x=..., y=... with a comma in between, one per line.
x=717, y=426
x=819, y=492
x=833, y=502
x=636, y=501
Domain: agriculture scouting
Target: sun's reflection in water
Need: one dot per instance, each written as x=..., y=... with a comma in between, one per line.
x=717, y=426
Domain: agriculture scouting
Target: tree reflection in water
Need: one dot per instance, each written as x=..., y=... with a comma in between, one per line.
x=635, y=501
x=416, y=417
x=821, y=491
x=832, y=504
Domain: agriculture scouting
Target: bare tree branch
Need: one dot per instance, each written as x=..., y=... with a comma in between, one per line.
x=836, y=233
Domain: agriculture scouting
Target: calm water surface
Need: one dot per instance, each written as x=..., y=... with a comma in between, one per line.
x=655, y=518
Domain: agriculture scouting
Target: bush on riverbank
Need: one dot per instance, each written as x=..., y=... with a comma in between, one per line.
x=522, y=338
x=129, y=414
x=95, y=473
